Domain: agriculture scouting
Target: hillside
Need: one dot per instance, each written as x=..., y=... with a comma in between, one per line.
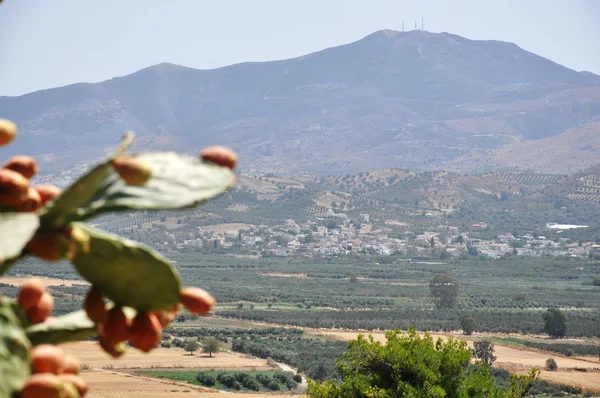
x=399, y=200
x=574, y=150
x=415, y=100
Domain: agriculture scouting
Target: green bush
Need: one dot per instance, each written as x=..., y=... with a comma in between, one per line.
x=551, y=364
x=209, y=381
x=273, y=385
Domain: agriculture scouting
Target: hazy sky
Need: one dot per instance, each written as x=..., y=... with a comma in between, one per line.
x=49, y=43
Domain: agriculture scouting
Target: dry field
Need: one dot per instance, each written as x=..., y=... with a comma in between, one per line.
x=520, y=360
x=90, y=354
x=107, y=377
x=18, y=280
x=223, y=228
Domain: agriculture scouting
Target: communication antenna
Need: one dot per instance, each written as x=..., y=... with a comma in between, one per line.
x=403, y=26
x=415, y=25
x=422, y=23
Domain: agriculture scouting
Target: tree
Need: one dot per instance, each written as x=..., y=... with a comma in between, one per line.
x=468, y=325
x=444, y=290
x=551, y=365
x=484, y=351
x=191, y=345
x=210, y=345
x=409, y=365
x=555, y=323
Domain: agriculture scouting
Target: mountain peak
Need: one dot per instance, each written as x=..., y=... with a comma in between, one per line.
x=164, y=67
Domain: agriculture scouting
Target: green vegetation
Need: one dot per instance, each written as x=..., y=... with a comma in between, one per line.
x=210, y=345
x=467, y=324
x=408, y=365
x=504, y=295
x=232, y=381
x=555, y=323
x=444, y=290
x=191, y=345
x=551, y=364
x=484, y=351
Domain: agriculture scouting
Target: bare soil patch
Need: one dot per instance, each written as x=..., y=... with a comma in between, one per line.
x=90, y=354
x=18, y=280
x=222, y=228
x=280, y=275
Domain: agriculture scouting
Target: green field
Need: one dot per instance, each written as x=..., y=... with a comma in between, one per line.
x=232, y=381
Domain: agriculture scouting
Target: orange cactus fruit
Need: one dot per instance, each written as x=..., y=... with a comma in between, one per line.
x=115, y=350
x=31, y=293
x=76, y=381
x=47, y=192
x=42, y=310
x=166, y=317
x=8, y=131
x=50, y=245
x=72, y=365
x=132, y=170
x=196, y=300
x=144, y=333
x=30, y=202
x=116, y=327
x=59, y=244
x=24, y=165
x=68, y=389
x=42, y=385
x=13, y=186
x=95, y=307
x=47, y=358
x=220, y=156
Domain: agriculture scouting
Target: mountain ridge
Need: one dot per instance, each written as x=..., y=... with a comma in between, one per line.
x=390, y=99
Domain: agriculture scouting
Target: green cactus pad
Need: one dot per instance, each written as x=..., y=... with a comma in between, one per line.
x=75, y=326
x=16, y=229
x=15, y=365
x=177, y=181
x=128, y=273
x=62, y=210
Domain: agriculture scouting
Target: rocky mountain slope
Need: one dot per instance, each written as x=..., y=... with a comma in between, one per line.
x=414, y=100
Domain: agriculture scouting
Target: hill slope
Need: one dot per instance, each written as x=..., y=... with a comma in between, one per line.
x=392, y=99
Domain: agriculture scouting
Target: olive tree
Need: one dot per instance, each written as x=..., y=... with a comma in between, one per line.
x=468, y=325
x=484, y=351
x=555, y=323
x=191, y=345
x=210, y=345
x=444, y=290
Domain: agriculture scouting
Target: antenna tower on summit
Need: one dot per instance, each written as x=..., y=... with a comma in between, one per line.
x=403, y=26
x=422, y=23
x=415, y=25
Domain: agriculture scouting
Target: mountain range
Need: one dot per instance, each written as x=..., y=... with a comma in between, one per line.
x=415, y=100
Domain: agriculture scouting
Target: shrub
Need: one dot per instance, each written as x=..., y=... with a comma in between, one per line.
x=273, y=385
x=251, y=384
x=551, y=364
x=227, y=379
x=209, y=381
x=569, y=352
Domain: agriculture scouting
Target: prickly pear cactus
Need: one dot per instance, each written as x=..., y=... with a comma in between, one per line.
x=128, y=274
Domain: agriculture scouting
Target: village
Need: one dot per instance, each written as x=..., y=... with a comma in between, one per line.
x=336, y=234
